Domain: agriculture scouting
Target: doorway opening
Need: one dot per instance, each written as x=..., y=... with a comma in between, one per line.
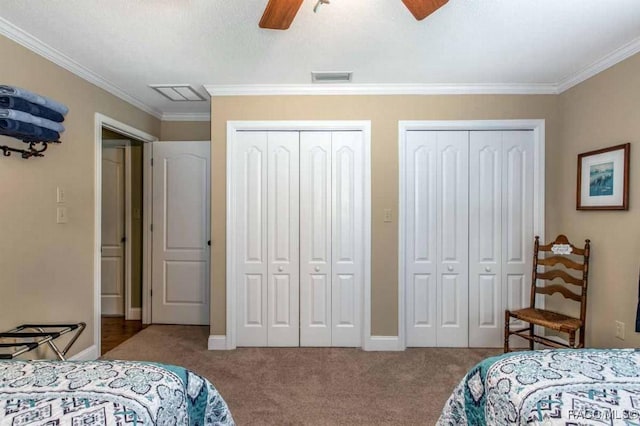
x=121, y=251
x=121, y=229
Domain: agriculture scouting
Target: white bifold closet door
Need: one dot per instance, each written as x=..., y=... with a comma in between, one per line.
x=299, y=238
x=268, y=206
x=437, y=165
x=331, y=238
x=468, y=234
x=501, y=231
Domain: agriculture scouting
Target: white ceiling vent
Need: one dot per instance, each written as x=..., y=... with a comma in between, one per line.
x=178, y=92
x=331, y=76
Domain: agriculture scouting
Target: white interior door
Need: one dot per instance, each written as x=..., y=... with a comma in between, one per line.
x=452, y=198
x=420, y=239
x=315, y=239
x=283, y=252
x=486, y=307
x=250, y=206
x=517, y=223
x=347, y=237
x=437, y=238
x=180, y=266
x=113, y=230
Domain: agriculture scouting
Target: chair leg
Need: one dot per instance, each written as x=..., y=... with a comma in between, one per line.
x=572, y=339
x=582, y=336
x=506, y=331
x=531, y=336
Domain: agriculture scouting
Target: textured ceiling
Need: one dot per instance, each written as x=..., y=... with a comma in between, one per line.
x=134, y=43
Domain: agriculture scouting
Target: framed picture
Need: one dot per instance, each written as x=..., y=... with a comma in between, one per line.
x=603, y=179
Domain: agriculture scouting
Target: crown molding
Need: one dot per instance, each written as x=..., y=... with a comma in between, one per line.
x=34, y=44
x=600, y=65
x=186, y=116
x=380, y=89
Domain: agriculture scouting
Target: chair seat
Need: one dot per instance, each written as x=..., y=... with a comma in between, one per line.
x=548, y=319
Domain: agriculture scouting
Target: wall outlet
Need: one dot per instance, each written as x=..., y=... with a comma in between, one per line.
x=620, y=330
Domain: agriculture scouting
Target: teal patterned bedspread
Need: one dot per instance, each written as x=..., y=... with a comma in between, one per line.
x=549, y=387
x=107, y=393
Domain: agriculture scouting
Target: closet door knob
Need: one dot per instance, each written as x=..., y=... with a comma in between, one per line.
x=280, y=269
x=317, y=269
x=487, y=269
x=450, y=268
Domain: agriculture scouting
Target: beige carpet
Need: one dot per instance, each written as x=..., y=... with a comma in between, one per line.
x=312, y=385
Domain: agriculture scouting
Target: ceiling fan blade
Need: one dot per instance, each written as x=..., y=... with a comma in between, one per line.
x=423, y=8
x=279, y=14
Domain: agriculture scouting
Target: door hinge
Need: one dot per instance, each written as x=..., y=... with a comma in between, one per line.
x=151, y=292
x=152, y=227
x=152, y=162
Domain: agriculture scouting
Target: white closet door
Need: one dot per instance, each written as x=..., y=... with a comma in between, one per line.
x=250, y=178
x=181, y=284
x=347, y=237
x=315, y=239
x=283, y=251
x=486, y=309
x=517, y=220
x=420, y=237
x=453, y=239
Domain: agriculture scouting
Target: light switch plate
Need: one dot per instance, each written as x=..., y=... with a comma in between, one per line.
x=387, y=215
x=61, y=216
x=60, y=195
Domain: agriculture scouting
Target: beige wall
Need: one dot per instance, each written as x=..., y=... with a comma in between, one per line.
x=185, y=131
x=46, y=269
x=384, y=113
x=602, y=112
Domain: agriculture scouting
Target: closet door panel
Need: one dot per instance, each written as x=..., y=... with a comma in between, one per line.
x=251, y=230
x=283, y=236
x=517, y=223
x=452, y=238
x=315, y=239
x=347, y=194
x=486, y=311
x=420, y=237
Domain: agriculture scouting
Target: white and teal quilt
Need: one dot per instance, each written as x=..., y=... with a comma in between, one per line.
x=549, y=387
x=99, y=393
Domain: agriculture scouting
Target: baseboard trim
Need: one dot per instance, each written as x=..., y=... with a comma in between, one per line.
x=89, y=354
x=383, y=343
x=217, y=343
x=134, y=314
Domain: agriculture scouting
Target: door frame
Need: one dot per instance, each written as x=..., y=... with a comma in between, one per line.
x=538, y=128
x=126, y=145
x=103, y=121
x=321, y=125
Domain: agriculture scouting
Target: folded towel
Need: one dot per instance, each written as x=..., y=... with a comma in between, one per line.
x=27, y=131
x=33, y=98
x=23, y=138
x=20, y=104
x=28, y=118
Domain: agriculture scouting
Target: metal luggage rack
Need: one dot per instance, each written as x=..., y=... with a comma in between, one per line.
x=28, y=337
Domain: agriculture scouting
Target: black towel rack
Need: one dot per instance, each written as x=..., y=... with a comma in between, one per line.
x=33, y=151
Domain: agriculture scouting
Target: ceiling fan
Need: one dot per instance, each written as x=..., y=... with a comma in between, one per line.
x=279, y=14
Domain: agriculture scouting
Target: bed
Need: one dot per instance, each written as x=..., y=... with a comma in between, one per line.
x=549, y=387
x=107, y=393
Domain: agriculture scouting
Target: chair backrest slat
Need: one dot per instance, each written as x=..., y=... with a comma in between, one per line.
x=557, y=273
x=557, y=288
x=566, y=262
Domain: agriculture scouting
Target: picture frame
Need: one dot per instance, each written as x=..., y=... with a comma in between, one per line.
x=603, y=179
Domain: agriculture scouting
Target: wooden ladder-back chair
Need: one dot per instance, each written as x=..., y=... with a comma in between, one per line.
x=551, y=281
